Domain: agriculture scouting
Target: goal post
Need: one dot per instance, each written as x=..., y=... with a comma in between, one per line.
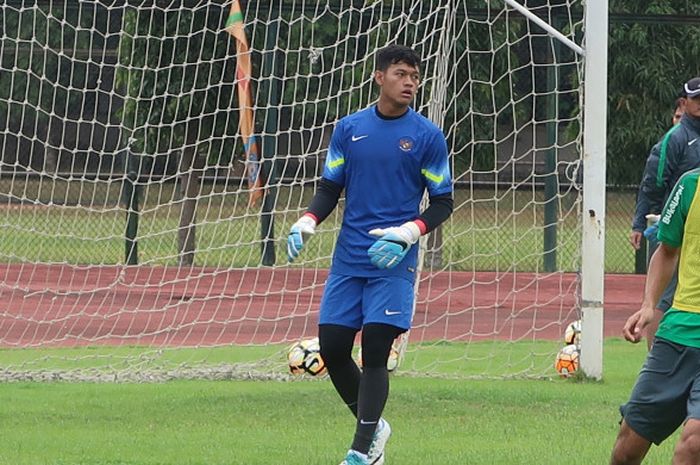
x=594, y=145
x=142, y=102
x=594, y=164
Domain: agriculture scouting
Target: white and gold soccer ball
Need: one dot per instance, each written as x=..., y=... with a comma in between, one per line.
x=391, y=363
x=572, y=334
x=567, y=359
x=304, y=357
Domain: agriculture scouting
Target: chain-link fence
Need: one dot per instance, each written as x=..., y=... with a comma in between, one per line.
x=81, y=208
x=620, y=256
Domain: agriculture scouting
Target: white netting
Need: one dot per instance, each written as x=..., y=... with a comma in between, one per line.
x=129, y=247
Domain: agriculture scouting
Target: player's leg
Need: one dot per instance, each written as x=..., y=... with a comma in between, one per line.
x=688, y=448
x=340, y=319
x=657, y=405
x=377, y=340
x=336, y=350
x=388, y=308
x=630, y=448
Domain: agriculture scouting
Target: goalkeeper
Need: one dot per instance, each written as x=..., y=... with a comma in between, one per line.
x=384, y=157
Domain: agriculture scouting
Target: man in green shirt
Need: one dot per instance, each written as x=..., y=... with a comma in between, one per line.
x=667, y=392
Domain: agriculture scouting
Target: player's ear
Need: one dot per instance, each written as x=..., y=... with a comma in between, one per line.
x=379, y=77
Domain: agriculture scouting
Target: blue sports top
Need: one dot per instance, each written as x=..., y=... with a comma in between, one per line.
x=385, y=165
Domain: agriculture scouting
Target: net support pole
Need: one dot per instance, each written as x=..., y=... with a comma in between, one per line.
x=131, y=193
x=594, y=158
x=551, y=180
x=640, y=258
x=270, y=91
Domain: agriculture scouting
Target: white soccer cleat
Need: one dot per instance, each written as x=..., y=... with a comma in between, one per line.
x=381, y=436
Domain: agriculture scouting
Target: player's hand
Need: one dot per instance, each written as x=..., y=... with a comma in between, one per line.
x=393, y=244
x=636, y=239
x=298, y=235
x=635, y=324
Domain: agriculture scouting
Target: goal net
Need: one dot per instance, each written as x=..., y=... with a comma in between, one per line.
x=153, y=160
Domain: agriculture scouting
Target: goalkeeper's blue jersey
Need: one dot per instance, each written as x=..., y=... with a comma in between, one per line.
x=385, y=166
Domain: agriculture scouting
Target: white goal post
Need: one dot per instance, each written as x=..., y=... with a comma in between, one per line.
x=594, y=163
x=152, y=159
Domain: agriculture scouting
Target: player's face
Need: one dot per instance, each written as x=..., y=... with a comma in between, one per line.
x=677, y=115
x=399, y=83
x=680, y=109
x=692, y=106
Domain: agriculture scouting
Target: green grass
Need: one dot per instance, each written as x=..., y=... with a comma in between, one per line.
x=435, y=421
x=495, y=358
x=489, y=230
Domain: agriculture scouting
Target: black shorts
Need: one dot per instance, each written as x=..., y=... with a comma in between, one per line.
x=667, y=391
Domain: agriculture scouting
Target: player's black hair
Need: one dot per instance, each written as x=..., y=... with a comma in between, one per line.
x=393, y=54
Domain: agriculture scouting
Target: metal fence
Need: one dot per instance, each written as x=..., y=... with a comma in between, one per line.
x=620, y=257
x=27, y=202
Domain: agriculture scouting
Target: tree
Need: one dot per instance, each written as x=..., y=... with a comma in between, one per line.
x=652, y=50
x=50, y=89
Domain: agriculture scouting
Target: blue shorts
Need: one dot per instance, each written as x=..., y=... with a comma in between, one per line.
x=356, y=301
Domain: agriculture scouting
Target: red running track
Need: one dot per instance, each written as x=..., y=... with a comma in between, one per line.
x=63, y=305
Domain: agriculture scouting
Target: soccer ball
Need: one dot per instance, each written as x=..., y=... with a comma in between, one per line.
x=572, y=335
x=391, y=363
x=305, y=357
x=566, y=362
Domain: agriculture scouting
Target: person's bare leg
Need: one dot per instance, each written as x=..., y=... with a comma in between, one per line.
x=688, y=448
x=630, y=448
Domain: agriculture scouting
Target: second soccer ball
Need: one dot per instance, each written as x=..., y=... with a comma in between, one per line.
x=566, y=362
x=391, y=363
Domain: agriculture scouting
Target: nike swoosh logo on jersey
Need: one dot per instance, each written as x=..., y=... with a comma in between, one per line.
x=692, y=141
x=356, y=138
x=388, y=312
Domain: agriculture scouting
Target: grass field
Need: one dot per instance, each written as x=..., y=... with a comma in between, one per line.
x=441, y=421
x=477, y=359
x=436, y=421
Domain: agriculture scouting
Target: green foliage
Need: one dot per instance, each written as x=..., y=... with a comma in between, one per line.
x=176, y=70
x=648, y=63
x=330, y=58
x=45, y=80
x=177, y=80
x=655, y=7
